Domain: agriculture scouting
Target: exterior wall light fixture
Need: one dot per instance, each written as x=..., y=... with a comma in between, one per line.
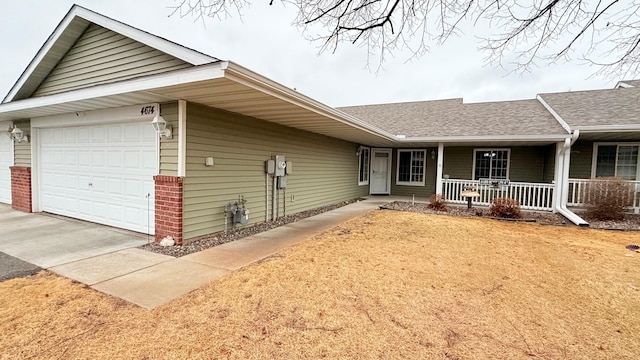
x=18, y=135
x=160, y=125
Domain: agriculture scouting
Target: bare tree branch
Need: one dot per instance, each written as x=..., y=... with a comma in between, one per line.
x=524, y=33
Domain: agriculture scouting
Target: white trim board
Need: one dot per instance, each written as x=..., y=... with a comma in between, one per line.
x=182, y=137
x=95, y=117
x=553, y=113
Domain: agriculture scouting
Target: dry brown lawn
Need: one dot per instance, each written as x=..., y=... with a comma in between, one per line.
x=388, y=285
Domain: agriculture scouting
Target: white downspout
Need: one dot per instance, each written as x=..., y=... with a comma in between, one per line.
x=557, y=176
x=439, y=168
x=561, y=204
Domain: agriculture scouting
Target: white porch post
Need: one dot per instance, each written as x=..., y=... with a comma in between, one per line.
x=557, y=176
x=439, y=169
x=182, y=138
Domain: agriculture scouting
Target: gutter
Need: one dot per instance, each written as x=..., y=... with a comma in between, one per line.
x=609, y=128
x=482, y=138
x=561, y=206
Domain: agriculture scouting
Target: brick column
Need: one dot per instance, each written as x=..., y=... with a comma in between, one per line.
x=21, y=188
x=168, y=206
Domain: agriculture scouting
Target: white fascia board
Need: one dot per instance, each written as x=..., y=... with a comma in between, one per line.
x=608, y=128
x=553, y=113
x=185, y=76
x=485, y=138
x=254, y=80
x=622, y=84
x=189, y=55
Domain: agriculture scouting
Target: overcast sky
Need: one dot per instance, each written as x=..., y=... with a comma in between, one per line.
x=266, y=42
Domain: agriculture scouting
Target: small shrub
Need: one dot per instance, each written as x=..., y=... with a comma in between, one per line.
x=608, y=198
x=505, y=208
x=437, y=202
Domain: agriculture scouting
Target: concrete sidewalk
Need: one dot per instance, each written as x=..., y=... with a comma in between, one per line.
x=150, y=280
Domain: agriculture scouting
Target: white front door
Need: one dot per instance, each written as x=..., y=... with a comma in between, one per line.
x=6, y=160
x=100, y=173
x=380, y=171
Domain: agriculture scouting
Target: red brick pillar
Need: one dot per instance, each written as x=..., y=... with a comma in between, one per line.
x=21, y=188
x=168, y=207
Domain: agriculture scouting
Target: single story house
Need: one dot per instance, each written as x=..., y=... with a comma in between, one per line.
x=114, y=125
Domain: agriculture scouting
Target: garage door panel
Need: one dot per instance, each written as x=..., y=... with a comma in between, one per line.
x=100, y=173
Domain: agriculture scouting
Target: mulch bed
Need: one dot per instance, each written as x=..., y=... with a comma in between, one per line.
x=209, y=241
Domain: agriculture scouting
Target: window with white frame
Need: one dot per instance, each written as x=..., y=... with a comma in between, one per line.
x=411, y=167
x=620, y=160
x=363, y=168
x=491, y=163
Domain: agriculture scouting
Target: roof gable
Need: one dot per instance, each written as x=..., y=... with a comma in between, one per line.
x=78, y=23
x=102, y=56
x=597, y=108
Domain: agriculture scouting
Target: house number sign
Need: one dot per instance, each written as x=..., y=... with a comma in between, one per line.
x=148, y=110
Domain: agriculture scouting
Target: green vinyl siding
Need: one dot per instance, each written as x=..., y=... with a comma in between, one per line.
x=103, y=56
x=458, y=162
x=22, y=151
x=409, y=190
x=548, y=172
x=581, y=157
x=325, y=170
x=527, y=164
x=169, y=147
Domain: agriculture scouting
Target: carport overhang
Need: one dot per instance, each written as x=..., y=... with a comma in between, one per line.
x=222, y=85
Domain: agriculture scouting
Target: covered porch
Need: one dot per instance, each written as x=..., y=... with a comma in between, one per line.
x=529, y=173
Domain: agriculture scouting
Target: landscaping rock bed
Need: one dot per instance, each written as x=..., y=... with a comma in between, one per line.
x=545, y=218
x=630, y=223
x=220, y=238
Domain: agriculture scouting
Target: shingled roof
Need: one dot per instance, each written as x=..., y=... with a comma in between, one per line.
x=452, y=117
x=597, y=107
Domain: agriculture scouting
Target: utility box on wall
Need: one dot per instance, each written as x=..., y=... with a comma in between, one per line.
x=281, y=165
x=282, y=182
x=270, y=167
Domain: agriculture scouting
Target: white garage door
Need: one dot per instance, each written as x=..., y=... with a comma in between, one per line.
x=100, y=173
x=6, y=160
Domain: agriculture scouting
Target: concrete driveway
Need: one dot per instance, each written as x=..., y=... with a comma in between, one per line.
x=47, y=241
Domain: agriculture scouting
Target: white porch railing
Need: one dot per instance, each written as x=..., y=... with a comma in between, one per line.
x=531, y=196
x=579, y=194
